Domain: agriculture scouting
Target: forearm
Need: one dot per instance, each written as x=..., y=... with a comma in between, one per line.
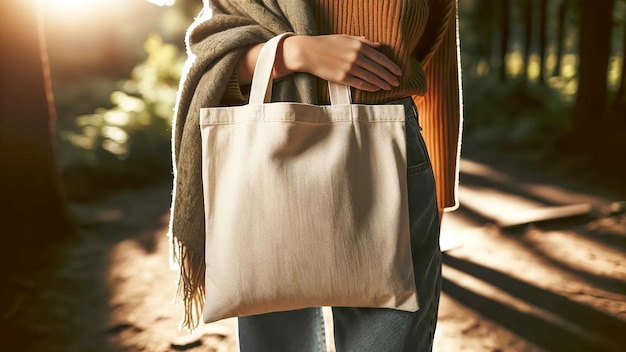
x=286, y=60
x=247, y=64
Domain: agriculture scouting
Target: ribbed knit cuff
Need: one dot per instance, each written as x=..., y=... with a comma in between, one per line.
x=233, y=92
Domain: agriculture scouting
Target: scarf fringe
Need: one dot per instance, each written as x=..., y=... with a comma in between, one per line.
x=190, y=282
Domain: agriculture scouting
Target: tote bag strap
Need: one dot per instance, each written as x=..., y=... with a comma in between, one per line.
x=339, y=93
x=261, y=87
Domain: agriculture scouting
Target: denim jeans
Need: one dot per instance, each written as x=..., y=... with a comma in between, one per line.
x=371, y=329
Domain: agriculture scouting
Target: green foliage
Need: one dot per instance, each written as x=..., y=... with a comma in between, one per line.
x=514, y=115
x=128, y=144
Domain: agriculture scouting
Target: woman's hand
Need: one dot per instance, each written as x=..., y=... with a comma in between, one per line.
x=350, y=60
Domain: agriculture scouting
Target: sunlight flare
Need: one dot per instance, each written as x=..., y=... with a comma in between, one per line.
x=72, y=7
x=162, y=2
x=75, y=10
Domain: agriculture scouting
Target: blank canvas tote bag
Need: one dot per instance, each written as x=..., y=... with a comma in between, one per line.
x=305, y=205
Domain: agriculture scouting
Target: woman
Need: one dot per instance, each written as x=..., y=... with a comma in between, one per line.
x=385, y=50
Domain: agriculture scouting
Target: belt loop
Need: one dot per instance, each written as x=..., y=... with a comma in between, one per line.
x=415, y=111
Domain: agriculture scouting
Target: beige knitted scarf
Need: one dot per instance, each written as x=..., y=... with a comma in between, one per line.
x=215, y=43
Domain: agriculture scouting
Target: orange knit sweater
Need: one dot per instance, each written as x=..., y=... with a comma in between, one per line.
x=421, y=37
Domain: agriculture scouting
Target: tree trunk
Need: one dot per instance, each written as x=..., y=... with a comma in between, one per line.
x=528, y=34
x=543, y=25
x=620, y=98
x=595, y=46
x=560, y=40
x=482, y=24
x=505, y=29
x=33, y=209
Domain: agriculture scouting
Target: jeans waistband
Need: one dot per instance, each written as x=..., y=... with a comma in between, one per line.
x=410, y=110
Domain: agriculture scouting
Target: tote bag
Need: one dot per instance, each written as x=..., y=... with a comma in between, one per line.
x=305, y=205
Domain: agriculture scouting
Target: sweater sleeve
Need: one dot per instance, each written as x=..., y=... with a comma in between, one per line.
x=440, y=109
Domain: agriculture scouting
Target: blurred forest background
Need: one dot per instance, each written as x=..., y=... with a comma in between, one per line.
x=543, y=82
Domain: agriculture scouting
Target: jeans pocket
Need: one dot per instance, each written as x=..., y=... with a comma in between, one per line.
x=416, y=154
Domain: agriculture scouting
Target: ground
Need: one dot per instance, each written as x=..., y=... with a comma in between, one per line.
x=556, y=285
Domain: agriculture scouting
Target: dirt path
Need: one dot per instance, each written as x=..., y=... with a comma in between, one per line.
x=553, y=286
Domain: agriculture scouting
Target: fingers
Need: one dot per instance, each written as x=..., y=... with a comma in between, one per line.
x=378, y=57
x=382, y=60
x=378, y=73
x=361, y=84
x=373, y=67
x=373, y=79
x=365, y=40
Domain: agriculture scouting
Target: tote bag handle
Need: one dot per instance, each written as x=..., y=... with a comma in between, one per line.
x=261, y=88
